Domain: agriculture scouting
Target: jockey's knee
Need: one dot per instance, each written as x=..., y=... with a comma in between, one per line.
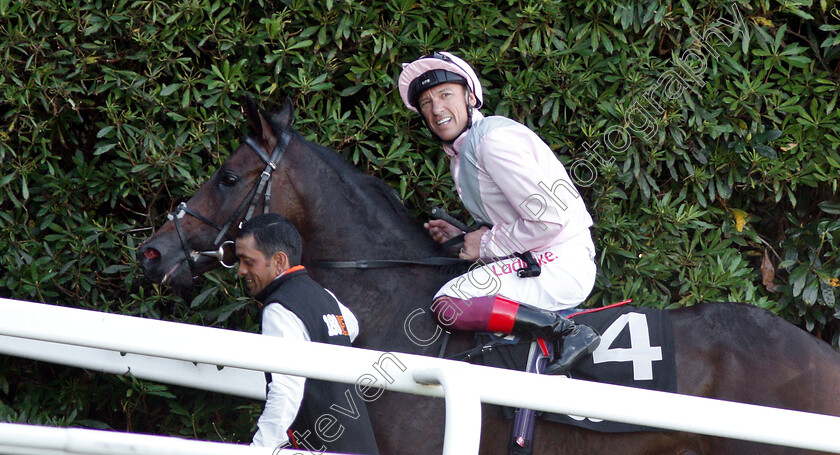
x=447, y=310
x=452, y=313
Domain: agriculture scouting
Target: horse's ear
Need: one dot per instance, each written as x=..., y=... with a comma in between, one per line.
x=252, y=112
x=259, y=126
x=283, y=119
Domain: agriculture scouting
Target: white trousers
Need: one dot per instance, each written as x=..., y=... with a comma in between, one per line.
x=567, y=278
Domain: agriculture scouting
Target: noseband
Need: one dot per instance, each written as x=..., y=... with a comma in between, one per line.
x=263, y=186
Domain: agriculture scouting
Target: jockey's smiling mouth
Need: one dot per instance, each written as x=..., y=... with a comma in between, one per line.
x=445, y=109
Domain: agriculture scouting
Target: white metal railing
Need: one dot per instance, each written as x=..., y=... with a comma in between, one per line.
x=17, y=439
x=401, y=372
x=228, y=380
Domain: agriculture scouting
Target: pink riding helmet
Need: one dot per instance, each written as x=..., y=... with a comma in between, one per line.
x=436, y=69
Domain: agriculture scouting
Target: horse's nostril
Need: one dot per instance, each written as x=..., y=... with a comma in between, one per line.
x=151, y=254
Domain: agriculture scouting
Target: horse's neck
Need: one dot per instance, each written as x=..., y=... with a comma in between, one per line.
x=351, y=220
x=382, y=299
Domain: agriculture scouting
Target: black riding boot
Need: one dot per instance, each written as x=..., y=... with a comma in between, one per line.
x=572, y=342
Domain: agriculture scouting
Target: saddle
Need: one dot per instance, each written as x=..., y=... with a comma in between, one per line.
x=636, y=350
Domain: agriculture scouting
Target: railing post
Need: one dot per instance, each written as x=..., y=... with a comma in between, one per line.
x=462, y=431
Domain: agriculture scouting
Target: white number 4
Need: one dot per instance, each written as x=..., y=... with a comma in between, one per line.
x=640, y=352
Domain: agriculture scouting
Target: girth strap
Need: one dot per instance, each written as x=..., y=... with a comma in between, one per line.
x=484, y=348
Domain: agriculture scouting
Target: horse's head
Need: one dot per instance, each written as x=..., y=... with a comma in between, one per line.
x=186, y=245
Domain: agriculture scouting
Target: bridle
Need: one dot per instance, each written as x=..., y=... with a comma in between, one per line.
x=250, y=201
x=263, y=186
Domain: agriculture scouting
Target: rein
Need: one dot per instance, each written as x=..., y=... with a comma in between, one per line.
x=436, y=213
x=385, y=263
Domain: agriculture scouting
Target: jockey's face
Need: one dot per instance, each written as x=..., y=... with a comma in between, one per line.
x=258, y=270
x=445, y=109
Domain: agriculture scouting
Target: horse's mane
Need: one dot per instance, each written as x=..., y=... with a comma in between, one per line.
x=353, y=176
x=367, y=186
x=349, y=174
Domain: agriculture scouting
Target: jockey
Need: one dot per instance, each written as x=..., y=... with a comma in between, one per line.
x=515, y=187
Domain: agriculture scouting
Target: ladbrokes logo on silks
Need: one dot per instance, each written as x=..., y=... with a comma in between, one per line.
x=335, y=325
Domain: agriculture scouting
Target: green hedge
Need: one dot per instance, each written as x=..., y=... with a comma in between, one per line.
x=723, y=188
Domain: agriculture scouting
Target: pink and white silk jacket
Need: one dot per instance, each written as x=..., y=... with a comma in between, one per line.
x=507, y=176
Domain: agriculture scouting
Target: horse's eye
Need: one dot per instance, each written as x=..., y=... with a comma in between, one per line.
x=229, y=179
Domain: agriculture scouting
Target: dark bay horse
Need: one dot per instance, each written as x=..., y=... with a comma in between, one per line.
x=728, y=351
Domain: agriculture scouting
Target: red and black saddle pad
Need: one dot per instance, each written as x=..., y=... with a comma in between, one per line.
x=637, y=350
